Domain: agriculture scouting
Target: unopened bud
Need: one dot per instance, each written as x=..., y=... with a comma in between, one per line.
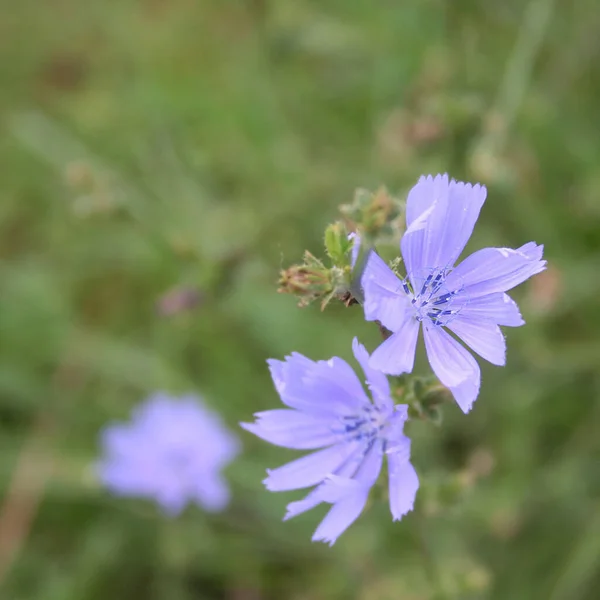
x=433, y=414
x=382, y=210
x=338, y=244
x=308, y=281
x=373, y=214
x=435, y=396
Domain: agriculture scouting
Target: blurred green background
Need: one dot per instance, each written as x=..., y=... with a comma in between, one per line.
x=161, y=160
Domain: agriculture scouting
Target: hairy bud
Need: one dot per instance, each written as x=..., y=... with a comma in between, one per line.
x=375, y=215
x=309, y=281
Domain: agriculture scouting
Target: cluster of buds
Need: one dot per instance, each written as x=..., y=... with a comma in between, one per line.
x=377, y=217
x=313, y=280
x=424, y=396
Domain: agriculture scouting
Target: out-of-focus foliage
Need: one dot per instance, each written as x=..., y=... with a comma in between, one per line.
x=161, y=160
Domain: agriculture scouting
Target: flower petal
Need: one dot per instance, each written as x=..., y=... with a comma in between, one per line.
x=375, y=266
x=391, y=308
x=293, y=429
x=120, y=441
x=212, y=493
x=340, y=374
x=171, y=499
x=311, y=469
x=341, y=515
x=312, y=499
x=499, y=308
x=464, y=205
x=336, y=488
x=379, y=270
x=403, y=485
x=453, y=365
x=397, y=354
x=385, y=300
x=120, y=478
x=481, y=335
x=349, y=495
x=326, y=388
x=158, y=406
x=378, y=383
x=356, y=475
x=370, y=467
x=395, y=427
x=440, y=220
x=423, y=196
x=494, y=270
x=316, y=496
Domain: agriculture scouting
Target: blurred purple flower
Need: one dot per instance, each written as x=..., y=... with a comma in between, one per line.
x=469, y=299
x=178, y=300
x=329, y=409
x=172, y=450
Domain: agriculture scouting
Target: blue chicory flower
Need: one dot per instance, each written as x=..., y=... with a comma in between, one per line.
x=329, y=409
x=172, y=451
x=469, y=299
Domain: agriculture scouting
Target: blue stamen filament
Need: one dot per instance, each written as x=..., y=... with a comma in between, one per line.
x=366, y=425
x=437, y=308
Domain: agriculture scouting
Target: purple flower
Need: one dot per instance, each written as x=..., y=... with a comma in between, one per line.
x=172, y=450
x=469, y=299
x=329, y=409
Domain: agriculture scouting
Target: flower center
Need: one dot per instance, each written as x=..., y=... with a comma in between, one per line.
x=431, y=298
x=178, y=459
x=364, y=426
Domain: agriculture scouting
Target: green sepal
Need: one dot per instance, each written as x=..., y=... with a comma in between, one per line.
x=338, y=245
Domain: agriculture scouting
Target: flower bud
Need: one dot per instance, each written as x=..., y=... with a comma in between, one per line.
x=338, y=244
x=373, y=214
x=308, y=281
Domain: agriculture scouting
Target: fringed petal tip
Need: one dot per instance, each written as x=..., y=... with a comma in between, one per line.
x=329, y=541
x=269, y=484
x=288, y=515
x=464, y=405
x=465, y=396
x=400, y=516
x=438, y=178
x=340, y=516
x=532, y=251
x=403, y=487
